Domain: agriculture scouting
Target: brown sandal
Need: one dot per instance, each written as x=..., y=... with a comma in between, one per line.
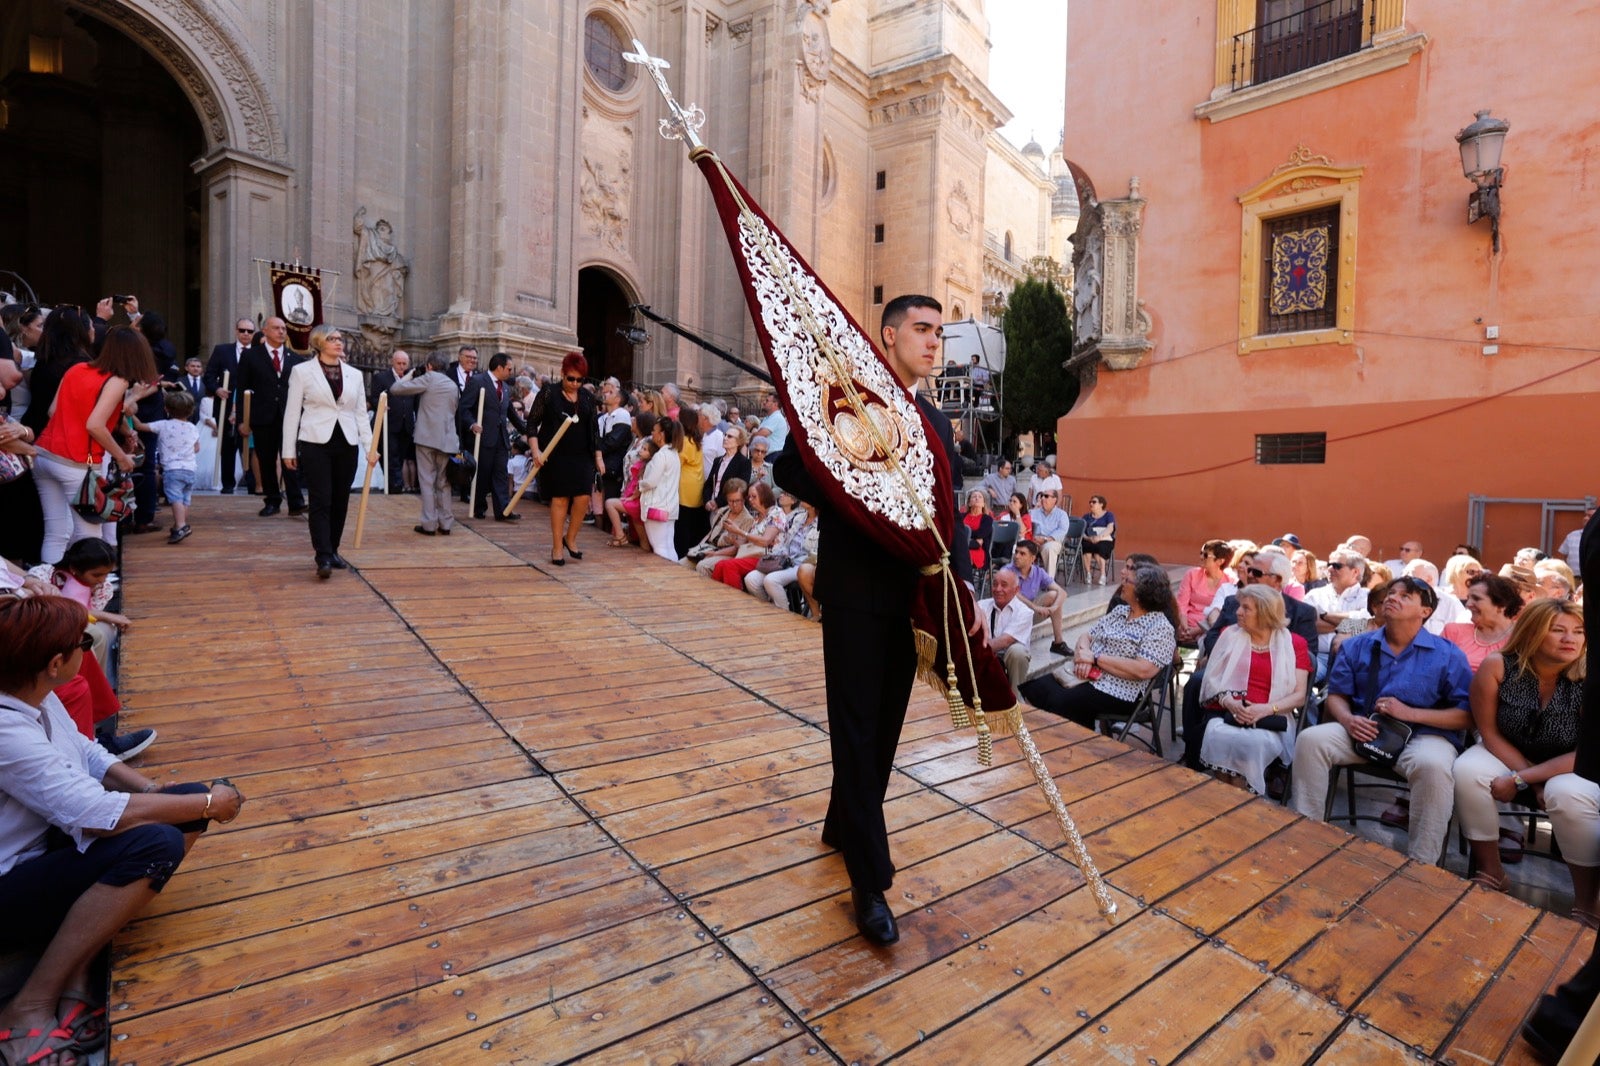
x=1489, y=881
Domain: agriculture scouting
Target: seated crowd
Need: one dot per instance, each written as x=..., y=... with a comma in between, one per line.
x=1465, y=683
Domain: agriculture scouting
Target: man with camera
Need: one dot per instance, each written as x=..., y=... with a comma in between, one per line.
x=435, y=439
x=1404, y=673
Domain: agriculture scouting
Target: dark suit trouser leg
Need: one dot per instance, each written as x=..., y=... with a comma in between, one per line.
x=144, y=492
x=493, y=479
x=870, y=663
x=230, y=455
x=268, y=442
x=1193, y=720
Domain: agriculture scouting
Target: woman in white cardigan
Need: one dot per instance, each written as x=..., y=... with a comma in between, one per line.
x=324, y=421
x=658, y=490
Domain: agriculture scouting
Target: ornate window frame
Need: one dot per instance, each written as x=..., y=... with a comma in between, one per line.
x=1306, y=181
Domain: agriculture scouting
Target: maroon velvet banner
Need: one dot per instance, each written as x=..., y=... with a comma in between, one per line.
x=892, y=478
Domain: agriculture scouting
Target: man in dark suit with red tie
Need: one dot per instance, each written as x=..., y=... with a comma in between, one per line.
x=264, y=373
x=227, y=358
x=494, y=453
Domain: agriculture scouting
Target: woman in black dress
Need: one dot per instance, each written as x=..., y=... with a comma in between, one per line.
x=567, y=471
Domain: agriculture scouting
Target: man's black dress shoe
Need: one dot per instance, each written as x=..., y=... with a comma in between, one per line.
x=873, y=916
x=425, y=531
x=324, y=569
x=338, y=563
x=512, y=517
x=296, y=512
x=268, y=511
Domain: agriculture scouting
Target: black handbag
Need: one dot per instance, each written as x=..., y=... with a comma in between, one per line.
x=460, y=469
x=1393, y=735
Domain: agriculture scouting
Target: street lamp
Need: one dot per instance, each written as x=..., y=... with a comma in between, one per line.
x=1481, y=144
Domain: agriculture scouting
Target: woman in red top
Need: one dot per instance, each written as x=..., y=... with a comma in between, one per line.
x=1254, y=687
x=81, y=434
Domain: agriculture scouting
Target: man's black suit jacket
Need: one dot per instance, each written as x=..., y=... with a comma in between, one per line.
x=402, y=408
x=270, y=389
x=1302, y=621
x=496, y=411
x=224, y=357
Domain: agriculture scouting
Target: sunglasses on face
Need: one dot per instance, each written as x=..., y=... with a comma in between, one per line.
x=1255, y=573
x=85, y=642
x=569, y=377
x=1336, y=566
x=244, y=329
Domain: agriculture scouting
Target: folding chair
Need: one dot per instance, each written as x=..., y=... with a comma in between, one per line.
x=1147, y=711
x=1071, y=559
x=1003, y=542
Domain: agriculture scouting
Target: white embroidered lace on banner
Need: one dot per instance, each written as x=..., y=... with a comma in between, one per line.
x=832, y=426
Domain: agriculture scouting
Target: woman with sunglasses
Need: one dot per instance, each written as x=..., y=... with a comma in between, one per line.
x=324, y=425
x=86, y=841
x=567, y=472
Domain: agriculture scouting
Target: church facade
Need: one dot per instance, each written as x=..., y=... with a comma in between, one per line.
x=492, y=173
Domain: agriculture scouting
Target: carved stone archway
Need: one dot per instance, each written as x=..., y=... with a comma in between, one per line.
x=246, y=167
x=204, y=52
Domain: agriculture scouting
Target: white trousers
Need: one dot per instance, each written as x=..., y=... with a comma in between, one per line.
x=1425, y=763
x=1573, y=804
x=660, y=537
x=772, y=587
x=57, y=483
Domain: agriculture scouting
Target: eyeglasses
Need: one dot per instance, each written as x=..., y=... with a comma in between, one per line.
x=244, y=329
x=85, y=642
x=1047, y=495
x=569, y=377
x=1253, y=572
x=1336, y=566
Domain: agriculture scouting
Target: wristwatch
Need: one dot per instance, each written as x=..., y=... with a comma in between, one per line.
x=1517, y=781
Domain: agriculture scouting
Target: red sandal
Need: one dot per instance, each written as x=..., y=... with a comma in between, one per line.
x=49, y=1047
x=85, y=1021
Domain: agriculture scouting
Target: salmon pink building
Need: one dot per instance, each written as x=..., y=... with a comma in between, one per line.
x=1285, y=320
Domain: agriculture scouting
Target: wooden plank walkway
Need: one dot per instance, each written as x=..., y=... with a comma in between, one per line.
x=503, y=812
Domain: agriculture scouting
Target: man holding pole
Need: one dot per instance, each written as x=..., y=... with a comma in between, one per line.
x=868, y=654
x=396, y=436
x=493, y=485
x=221, y=378
x=435, y=397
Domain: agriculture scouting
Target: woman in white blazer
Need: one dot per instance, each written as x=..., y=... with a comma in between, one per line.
x=324, y=421
x=658, y=490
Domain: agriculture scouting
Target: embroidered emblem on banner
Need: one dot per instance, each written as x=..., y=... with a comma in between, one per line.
x=836, y=430
x=1300, y=270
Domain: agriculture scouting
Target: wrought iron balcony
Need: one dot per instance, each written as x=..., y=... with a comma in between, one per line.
x=1313, y=35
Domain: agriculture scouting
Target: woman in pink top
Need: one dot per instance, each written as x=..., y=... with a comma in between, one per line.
x=1493, y=602
x=1199, y=586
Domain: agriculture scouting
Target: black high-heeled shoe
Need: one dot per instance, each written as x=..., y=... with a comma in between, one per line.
x=575, y=553
x=558, y=561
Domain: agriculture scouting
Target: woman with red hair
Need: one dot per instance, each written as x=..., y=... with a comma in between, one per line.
x=567, y=471
x=86, y=841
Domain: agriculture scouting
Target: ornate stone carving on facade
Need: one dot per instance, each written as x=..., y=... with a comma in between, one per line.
x=713, y=24
x=816, y=49
x=205, y=31
x=740, y=30
x=1110, y=323
x=380, y=274
x=604, y=197
x=1301, y=156
x=958, y=206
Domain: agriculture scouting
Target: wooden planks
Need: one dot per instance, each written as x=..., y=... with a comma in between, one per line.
x=502, y=812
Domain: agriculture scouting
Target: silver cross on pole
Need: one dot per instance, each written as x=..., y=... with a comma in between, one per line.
x=685, y=121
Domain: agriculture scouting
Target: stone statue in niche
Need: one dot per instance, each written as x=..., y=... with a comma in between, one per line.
x=380, y=268
x=1087, y=280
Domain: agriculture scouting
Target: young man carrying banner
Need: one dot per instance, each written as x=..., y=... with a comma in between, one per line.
x=868, y=652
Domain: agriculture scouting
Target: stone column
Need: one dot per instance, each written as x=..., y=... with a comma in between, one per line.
x=243, y=216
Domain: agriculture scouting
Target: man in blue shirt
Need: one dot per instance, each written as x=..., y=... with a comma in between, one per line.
x=1421, y=680
x=1049, y=529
